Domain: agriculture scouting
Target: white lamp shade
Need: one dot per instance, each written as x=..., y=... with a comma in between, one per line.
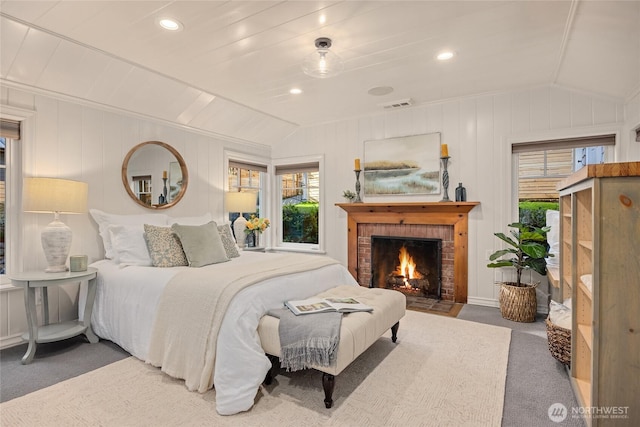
x=55, y=195
x=58, y=196
x=236, y=201
x=245, y=201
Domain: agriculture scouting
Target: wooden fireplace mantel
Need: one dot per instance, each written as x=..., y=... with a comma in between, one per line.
x=455, y=214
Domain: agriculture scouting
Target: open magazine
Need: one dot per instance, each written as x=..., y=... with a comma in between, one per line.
x=320, y=305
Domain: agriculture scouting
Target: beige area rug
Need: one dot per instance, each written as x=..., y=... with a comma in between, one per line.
x=442, y=372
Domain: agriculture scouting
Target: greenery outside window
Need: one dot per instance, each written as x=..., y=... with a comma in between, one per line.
x=541, y=165
x=299, y=196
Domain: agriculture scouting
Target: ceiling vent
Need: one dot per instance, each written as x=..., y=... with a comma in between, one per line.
x=401, y=103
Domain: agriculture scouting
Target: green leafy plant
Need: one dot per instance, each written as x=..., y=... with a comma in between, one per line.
x=349, y=195
x=528, y=250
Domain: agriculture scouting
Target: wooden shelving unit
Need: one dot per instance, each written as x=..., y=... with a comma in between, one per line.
x=600, y=270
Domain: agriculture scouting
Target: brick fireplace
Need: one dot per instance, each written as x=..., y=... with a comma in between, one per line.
x=447, y=221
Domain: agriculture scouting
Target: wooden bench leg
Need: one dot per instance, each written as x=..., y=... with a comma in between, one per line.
x=328, y=383
x=275, y=365
x=394, y=331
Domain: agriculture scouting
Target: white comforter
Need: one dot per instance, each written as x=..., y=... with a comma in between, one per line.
x=127, y=298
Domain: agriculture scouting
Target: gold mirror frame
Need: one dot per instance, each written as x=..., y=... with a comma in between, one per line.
x=183, y=169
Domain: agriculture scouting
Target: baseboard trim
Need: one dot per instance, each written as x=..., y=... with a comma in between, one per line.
x=486, y=302
x=490, y=302
x=11, y=341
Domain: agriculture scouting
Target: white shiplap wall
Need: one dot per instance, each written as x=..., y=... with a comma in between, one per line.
x=479, y=132
x=78, y=141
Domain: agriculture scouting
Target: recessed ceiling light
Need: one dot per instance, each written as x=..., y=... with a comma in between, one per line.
x=170, y=24
x=295, y=91
x=380, y=90
x=443, y=56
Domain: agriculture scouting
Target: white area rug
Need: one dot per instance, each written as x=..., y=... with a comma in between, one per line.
x=442, y=372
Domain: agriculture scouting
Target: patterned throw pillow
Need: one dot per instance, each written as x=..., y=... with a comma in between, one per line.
x=164, y=247
x=227, y=241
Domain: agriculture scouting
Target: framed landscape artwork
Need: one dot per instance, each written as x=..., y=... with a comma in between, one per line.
x=404, y=165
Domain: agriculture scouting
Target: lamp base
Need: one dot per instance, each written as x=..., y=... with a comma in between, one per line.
x=239, y=225
x=56, y=243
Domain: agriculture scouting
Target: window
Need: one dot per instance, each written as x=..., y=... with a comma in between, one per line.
x=3, y=187
x=9, y=134
x=541, y=165
x=245, y=176
x=299, y=199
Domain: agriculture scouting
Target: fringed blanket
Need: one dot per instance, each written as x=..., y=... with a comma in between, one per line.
x=193, y=304
x=307, y=340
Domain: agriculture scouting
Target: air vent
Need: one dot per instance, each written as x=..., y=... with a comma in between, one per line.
x=397, y=104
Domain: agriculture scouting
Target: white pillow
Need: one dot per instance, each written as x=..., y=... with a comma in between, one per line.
x=104, y=219
x=190, y=220
x=129, y=245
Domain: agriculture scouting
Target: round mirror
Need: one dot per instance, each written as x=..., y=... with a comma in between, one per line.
x=155, y=175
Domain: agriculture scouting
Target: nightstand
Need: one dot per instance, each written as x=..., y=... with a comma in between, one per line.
x=30, y=280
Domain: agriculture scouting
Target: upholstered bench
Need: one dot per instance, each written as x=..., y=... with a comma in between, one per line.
x=357, y=332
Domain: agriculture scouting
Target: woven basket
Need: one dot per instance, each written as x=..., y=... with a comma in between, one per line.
x=559, y=342
x=518, y=303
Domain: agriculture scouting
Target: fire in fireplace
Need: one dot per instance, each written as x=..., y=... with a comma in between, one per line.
x=410, y=265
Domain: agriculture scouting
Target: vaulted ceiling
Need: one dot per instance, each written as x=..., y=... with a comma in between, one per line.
x=231, y=67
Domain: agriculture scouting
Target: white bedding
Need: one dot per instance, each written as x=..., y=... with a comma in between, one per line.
x=126, y=301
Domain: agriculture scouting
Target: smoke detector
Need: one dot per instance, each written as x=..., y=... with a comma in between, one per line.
x=401, y=103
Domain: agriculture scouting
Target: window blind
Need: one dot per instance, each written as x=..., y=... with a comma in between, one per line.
x=558, y=144
x=297, y=168
x=246, y=165
x=10, y=129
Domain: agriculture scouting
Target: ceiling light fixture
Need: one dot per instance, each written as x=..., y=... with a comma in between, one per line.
x=295, y=91
x=443, y=56
x=380, y=90
x=322, y=63
x=170, y=24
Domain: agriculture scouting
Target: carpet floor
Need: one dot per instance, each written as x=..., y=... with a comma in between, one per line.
x=451, y=372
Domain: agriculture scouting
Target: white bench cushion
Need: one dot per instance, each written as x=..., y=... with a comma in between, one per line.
x=358, y=330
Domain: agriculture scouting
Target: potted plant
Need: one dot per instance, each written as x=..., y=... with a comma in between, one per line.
x=527, y=251
x=349, y=195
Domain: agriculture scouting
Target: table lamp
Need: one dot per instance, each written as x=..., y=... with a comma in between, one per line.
x=237, y=201
x=56, y=196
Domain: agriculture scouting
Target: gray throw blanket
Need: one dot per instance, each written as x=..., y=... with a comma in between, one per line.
x=307, y=340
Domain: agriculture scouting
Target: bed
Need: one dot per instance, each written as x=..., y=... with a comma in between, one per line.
x=133, y=300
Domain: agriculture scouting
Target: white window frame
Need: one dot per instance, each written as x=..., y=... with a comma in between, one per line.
x=264, y=201
x=277, y=205
x=13, y=202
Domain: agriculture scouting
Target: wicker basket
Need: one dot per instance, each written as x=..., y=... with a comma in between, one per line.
x=518, y=303
x=559, y=342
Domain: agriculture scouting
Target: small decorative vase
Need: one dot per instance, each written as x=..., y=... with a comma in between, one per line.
x=251, y=239
x=461, y=193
